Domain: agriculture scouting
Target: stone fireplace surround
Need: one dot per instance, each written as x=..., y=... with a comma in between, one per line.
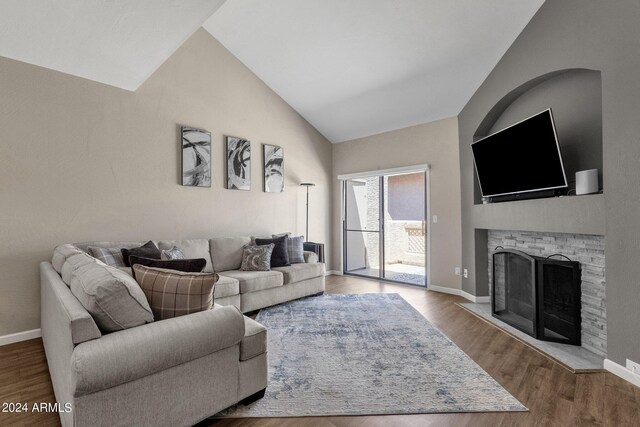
x=589, y=251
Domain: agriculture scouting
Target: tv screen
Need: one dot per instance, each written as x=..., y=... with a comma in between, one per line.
x=521, y=158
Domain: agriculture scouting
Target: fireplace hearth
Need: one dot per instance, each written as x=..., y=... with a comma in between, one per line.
x=539, y=296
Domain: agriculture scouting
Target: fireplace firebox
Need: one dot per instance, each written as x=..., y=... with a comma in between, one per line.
x=539, y=296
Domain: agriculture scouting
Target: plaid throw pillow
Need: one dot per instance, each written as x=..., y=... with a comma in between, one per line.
x=110, y=256
x=173, y=293
x=294, y=248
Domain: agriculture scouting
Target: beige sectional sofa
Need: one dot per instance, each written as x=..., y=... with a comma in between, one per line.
x=171, y=372
x=247, y=290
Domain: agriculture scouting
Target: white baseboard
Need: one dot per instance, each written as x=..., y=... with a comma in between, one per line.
x=474, y=298
x=622, y=372
x=333, y=273
x=20, y=336
x=444, y=290
x=459, y=292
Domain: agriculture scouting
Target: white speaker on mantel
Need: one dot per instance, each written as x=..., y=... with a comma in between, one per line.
x=587, y=182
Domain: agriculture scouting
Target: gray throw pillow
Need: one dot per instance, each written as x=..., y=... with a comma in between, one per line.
x=257, y=258
x=294, y=248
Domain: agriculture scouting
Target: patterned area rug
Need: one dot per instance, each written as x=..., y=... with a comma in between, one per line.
x=364, y=355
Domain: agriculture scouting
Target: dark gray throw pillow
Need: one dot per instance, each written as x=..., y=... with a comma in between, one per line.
x=195, y=265
x=280, y=255
x=148, y=250
x=295, y=248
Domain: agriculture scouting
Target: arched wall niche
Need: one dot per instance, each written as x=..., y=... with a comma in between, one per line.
x=575, y=97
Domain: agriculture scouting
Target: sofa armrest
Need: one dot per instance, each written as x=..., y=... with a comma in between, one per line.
x=64, y=323
x=134, y=353
x=310, y=257
x=61, y=312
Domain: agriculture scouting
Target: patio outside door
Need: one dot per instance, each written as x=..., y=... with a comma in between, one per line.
x=384, y=227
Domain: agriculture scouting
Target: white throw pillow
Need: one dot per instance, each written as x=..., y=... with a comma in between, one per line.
x=173, y=253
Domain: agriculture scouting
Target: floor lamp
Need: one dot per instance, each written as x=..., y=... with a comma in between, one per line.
x=307, y=184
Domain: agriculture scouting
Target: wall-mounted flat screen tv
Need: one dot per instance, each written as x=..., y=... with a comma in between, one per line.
x=524, y=157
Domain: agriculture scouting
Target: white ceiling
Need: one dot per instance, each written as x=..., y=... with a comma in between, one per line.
x=117, y=42
x=354, y=68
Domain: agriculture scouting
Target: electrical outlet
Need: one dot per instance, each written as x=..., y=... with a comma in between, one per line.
x=465, y=273
x=435, y=219
x=457, y=271
x=633, y=367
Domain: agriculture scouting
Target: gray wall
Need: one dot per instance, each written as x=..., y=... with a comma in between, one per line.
x=572, y=34
x=435, y=143
x=83, y=161
x=575, y=98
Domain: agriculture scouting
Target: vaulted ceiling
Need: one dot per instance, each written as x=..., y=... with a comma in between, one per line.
x=352, y=68
x=117, y=42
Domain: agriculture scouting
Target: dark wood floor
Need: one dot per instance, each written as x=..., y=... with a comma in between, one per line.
x=553, y=395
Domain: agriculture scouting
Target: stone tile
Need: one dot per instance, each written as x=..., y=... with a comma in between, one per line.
x=589, y=250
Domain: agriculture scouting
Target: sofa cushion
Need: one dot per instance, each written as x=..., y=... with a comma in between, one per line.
x=148, y=250
x=252, y=281
x=280, y=255
x=112, y=297
x=191, y=248
x=187, y=265
x=226, y=252
x=72, y=263
x=226, y=287
x=80, y=323
x=298, y=272
x=126, y=270
x=254, y=342
x=173, y=293
x=61, y=254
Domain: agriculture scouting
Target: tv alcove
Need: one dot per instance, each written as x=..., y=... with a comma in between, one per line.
x=575, y=95
x=539, y=296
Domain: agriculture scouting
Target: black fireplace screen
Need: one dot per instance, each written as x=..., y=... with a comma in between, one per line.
x=513, y=290
x=539, y=296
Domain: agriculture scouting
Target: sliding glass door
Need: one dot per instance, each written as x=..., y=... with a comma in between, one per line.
x=385, y=228
x=362, y=234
